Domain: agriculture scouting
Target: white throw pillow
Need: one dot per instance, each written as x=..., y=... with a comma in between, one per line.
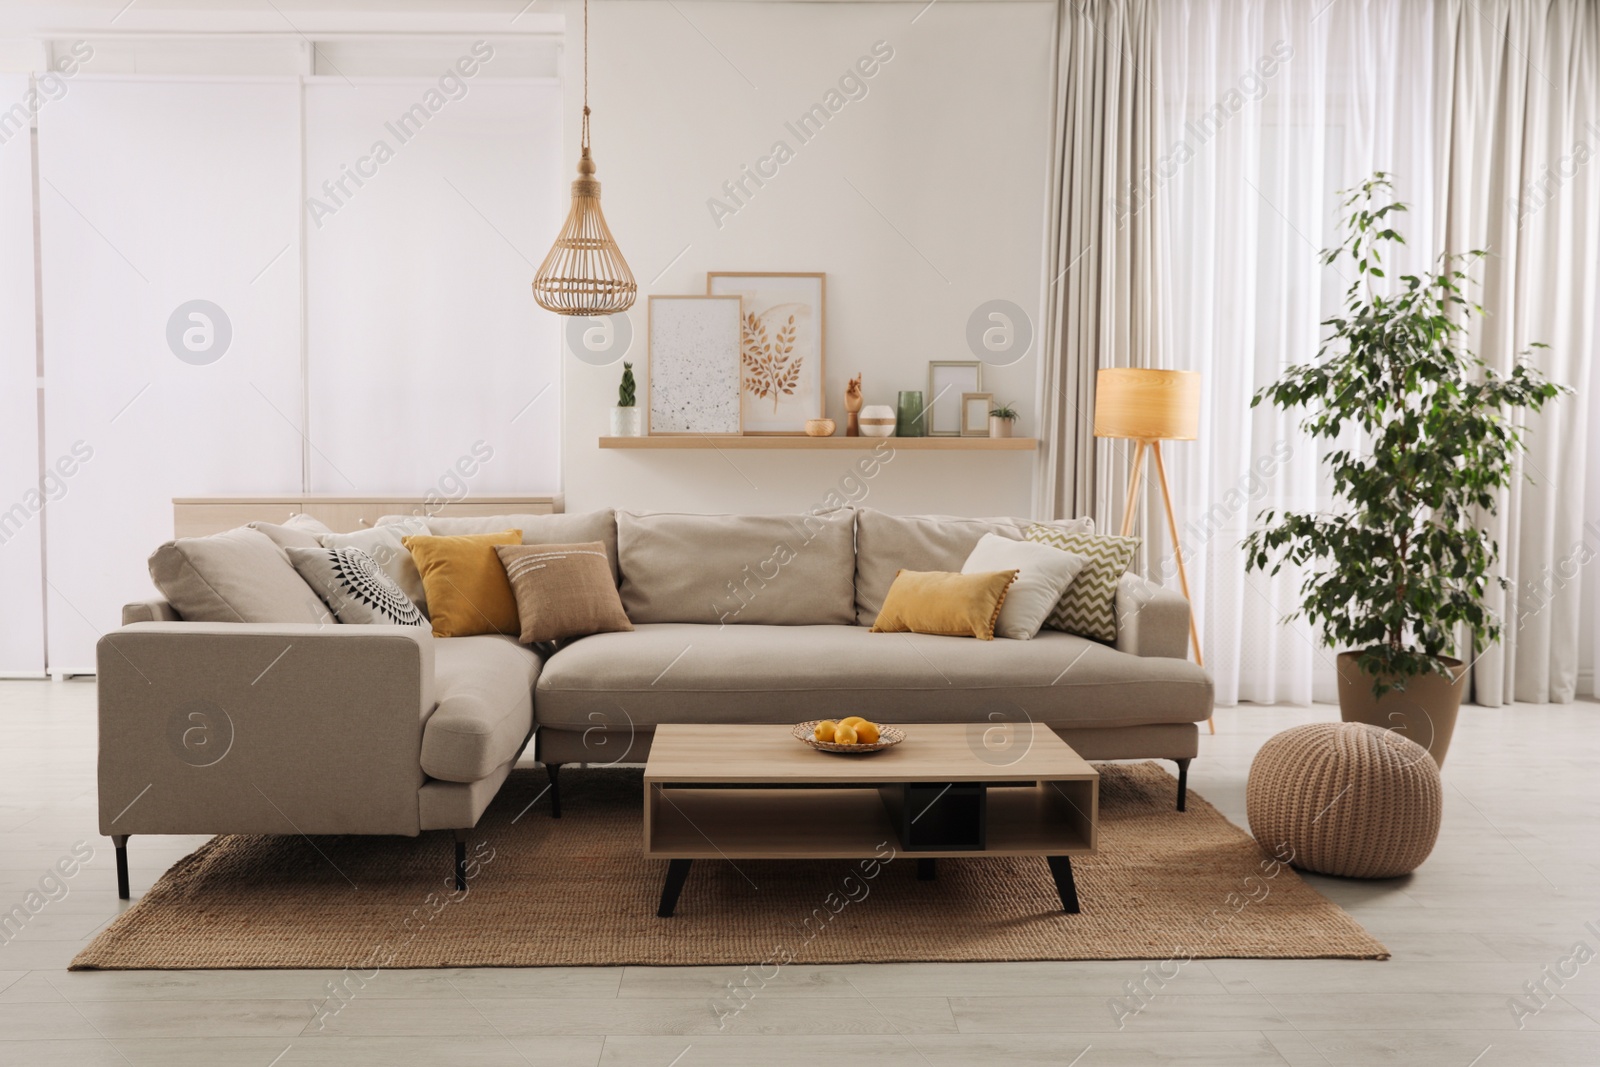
x=1043, y=574
x=385, y=545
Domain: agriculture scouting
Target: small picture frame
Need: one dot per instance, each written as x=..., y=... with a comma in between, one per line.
x=947, y=380
x=975, y=408
x=693, y=365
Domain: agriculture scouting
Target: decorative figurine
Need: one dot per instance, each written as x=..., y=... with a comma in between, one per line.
x=852, y=405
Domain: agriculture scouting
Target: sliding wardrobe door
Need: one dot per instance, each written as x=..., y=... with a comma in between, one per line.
x=429, y=367
x=171, y=322
x=21, y=502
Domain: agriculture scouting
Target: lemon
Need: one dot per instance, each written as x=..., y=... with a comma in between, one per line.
x=853, y=720
x=845, y=734
x=867, y=733
x=825, y=730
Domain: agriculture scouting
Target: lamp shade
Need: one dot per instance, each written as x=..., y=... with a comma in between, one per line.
x=585, y=274
x=1147, y=405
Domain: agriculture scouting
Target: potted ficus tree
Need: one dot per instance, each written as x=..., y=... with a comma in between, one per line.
x=626, y=418
x=1396, y=573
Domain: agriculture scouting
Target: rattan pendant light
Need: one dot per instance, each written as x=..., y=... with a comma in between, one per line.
x=585, y=274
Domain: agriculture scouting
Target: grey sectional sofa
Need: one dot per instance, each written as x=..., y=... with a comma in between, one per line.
x=294, y=727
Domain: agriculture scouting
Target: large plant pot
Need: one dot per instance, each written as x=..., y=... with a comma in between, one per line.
x=1425, y=712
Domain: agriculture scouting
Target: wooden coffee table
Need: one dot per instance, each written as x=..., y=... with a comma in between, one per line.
x=755, y=792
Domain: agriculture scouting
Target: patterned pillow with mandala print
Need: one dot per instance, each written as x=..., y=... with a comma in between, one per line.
x=354, y=587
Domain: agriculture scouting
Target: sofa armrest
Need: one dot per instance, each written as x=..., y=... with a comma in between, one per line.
x=262, y=728
x=148, y=611
x=1152, y=620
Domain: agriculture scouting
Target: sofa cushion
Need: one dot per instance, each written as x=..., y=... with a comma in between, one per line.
x=562, y=591
x=468, y=592
x=354, y=587
x=783, y=570
x=886, y=544
x=235, y=576
x=386, y=545
x=939, y=602
x=1043, y=574
x=297, y=531
x=1088, y=606
x=536, y=529
x=684, y=673
x=485, y=691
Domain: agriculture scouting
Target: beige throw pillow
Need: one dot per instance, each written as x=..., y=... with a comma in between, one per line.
x=563, y=591
x=297, y=531
x=236, y=576
x=1088, y=607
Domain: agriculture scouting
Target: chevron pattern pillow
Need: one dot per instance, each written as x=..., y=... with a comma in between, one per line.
x=1088, y=607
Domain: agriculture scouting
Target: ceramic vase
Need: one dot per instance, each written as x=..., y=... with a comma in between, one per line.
x=877, y=420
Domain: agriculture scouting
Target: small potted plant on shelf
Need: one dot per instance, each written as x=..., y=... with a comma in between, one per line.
x=1398, y=570
x=1001, y=418
x=626, y=419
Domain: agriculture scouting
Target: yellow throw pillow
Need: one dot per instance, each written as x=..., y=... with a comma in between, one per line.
x=938, y=602
x=464, y=574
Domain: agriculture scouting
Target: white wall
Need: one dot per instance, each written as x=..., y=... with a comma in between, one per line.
x=423, y=339
x=949, y=144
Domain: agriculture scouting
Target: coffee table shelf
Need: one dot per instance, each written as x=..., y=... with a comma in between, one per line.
x=851, y=823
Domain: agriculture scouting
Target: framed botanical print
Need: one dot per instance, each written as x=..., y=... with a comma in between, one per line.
x=694, y=365
x=947, y=380
x=781, y=335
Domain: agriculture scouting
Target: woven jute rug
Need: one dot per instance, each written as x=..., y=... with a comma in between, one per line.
x=577, y=891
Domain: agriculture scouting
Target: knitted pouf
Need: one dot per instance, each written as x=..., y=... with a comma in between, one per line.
x=1345, y=798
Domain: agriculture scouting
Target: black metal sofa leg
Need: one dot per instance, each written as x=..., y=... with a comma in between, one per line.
x=461, y=859
x=554, y=771
x=1183, y=784
x=120, y=841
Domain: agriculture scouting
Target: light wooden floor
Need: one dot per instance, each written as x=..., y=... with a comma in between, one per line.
x=1507, y=894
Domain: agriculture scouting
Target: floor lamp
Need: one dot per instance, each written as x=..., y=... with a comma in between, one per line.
x=1148, y=407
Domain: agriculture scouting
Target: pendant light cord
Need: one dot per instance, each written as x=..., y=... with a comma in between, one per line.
x=585, y=139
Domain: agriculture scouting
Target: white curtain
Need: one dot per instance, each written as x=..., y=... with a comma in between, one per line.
x=156, y=193
x=423, y=349
x=1521, y=179
x=1483, y=114
x=22, y=500
x=1268, y=109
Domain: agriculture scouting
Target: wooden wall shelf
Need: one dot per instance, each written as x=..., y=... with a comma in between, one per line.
x=822, y=444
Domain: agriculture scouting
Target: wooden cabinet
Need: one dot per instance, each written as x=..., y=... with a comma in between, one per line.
x=198, y=516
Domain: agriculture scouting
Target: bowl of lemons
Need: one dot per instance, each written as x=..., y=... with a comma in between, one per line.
x=851, y=735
